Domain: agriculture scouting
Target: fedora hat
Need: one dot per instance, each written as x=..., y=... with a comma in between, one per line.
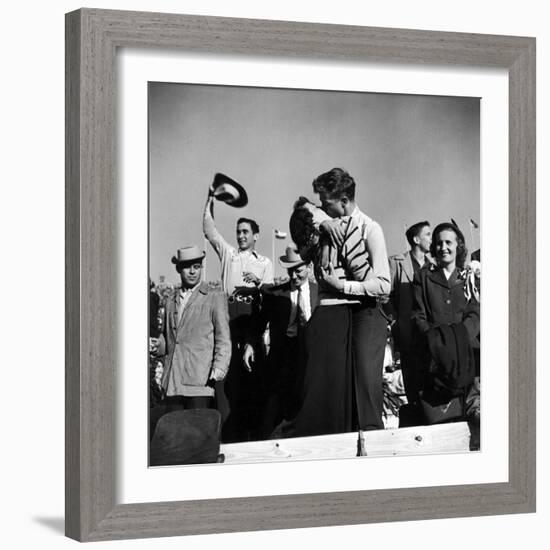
x=229, y=191
x=291, y=258
x=188, y=254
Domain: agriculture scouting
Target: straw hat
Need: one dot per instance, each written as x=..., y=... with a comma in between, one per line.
x=291, y=258
x=188, y=254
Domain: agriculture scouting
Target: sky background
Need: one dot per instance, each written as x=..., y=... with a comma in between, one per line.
x=412, y=157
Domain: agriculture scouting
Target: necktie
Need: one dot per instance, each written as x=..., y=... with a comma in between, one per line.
x=302, y=308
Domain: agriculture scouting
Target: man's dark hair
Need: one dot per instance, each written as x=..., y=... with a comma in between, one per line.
x=253, y=225
x=414, y=230
x=336, y=183
x=461, y=250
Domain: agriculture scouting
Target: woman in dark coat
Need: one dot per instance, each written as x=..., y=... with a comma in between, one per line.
x=446, y=316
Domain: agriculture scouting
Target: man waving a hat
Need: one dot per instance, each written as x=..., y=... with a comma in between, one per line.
x=243, y=272
x=241, y=266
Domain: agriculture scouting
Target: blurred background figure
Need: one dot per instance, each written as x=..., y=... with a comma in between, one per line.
x=403, y=268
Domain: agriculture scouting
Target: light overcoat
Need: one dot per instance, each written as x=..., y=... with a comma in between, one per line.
x=198, y=343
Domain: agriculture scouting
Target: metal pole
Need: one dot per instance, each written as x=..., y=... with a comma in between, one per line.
x=273, y=250
x=205, y=248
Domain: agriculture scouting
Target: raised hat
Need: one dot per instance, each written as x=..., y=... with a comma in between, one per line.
x=229, y=191
x=188, y=254
x=291, y=258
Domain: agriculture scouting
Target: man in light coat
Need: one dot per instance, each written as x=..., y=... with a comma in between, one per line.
x=195, y=344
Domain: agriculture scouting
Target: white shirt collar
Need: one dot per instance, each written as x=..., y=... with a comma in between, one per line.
x=185, y=291
x=252, y=252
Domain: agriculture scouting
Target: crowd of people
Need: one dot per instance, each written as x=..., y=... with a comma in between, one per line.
x=306, y=356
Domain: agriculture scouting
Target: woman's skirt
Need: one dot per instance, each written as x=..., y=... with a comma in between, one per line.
x=327, y=401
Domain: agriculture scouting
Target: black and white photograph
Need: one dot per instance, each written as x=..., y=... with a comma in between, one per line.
x=314, y=274
x=219, y=367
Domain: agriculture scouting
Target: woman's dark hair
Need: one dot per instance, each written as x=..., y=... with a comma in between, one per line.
x=301, y=223
x=461, y=250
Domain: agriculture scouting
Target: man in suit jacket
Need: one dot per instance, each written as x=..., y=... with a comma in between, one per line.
x=402, y=270
x=286, y=308
x=195, y=344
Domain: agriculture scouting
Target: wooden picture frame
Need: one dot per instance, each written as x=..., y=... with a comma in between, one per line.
x=92, y=39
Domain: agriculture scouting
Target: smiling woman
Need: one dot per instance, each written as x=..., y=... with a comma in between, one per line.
x=448, y=247
x=447, y=322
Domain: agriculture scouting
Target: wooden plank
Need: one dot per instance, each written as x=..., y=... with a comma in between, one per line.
x=419, y=440
x=73, y=498
x=522, y=275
